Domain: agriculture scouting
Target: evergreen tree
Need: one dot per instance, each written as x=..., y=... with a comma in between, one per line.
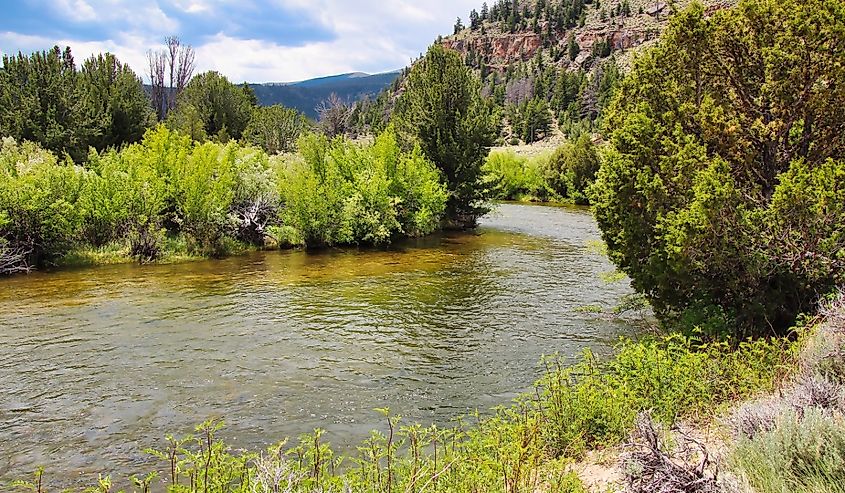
x=441, y=110
x=573, y=49
x=474, y=20
x=722, y=191
x=459, y=26
x=39, y=102
x=221, y=108
x=113, y=95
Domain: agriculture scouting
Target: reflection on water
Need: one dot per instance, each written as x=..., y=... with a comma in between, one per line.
x=97, y=364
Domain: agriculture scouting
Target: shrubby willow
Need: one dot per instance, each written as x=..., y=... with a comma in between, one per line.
x=167, y=194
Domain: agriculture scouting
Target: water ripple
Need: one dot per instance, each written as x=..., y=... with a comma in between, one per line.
x=97, y=364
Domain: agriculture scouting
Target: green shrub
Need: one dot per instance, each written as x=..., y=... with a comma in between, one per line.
x=38, y=202
x=275, y=128
x=717, y=194
x=594, y=404
x=205, y=192
x=572, y=169
x=515, y=177
x=341, y=193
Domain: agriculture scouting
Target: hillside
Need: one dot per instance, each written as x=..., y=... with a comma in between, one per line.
x=550, y=66
x=512, y=32
x=305, y=96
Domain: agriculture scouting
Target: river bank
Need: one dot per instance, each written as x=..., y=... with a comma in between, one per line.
x=279, y=343
x=533, y=445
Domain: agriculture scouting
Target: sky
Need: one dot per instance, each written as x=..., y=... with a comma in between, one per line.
x=246, y=40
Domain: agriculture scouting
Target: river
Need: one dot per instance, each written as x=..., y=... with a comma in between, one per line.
x=98, y=364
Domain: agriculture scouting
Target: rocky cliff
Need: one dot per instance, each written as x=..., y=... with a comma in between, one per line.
x=622, y=24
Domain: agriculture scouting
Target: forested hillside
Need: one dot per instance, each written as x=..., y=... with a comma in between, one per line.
x=548, y=64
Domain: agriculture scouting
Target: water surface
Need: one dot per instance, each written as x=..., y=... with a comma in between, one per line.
x=98, y=364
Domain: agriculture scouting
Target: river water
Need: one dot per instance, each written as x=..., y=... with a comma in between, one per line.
x=98, y=364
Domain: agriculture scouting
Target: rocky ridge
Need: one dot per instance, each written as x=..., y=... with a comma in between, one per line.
x=501, y=48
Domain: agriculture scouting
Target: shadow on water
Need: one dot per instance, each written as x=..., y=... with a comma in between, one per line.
x=97, y=364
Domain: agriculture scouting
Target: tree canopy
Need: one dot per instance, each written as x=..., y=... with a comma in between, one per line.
x=722, y=192
x=211, y=103
x=45, y=99
x=442, y=110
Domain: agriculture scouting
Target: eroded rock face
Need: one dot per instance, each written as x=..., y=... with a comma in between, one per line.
x=502, y=48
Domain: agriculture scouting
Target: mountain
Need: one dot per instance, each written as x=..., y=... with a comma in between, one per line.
x=307, y=95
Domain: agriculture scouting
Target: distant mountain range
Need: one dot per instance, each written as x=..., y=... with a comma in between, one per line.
x=307, y=95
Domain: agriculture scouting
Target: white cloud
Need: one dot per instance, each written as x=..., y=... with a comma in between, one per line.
x=368, y=35
x=121, y=14
x=78, y=10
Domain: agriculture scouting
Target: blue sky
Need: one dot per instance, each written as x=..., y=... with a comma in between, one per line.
x=247, y=40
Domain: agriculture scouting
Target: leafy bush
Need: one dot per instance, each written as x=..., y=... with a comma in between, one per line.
x=593, y=404
x=721, y=196
x=37, y=202
x=204, y=195
x=275, y=128
x=515, y=177
x=341, y=193
x=572, y=169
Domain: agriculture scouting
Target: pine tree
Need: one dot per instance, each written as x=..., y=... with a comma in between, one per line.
x=474, y=20
x=442, y=111
x=573, y=48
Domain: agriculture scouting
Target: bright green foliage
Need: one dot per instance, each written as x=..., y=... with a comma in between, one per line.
x=594, y=404
x=341, y=193
x=44, y=99
x=37, y=201
x=204, y=194
x=275, y=128
x=802, y=454
x=721, y=194
x=515, y=177
x=167, y=195
x=114, y=98
x=212, y=106
x=572, y=169
x=442, y=111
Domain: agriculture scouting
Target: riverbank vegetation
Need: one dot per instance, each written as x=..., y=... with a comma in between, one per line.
x=721, y=191
x=525, y=447
x=562, y=175
x=194, y=185
x=168, y=196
